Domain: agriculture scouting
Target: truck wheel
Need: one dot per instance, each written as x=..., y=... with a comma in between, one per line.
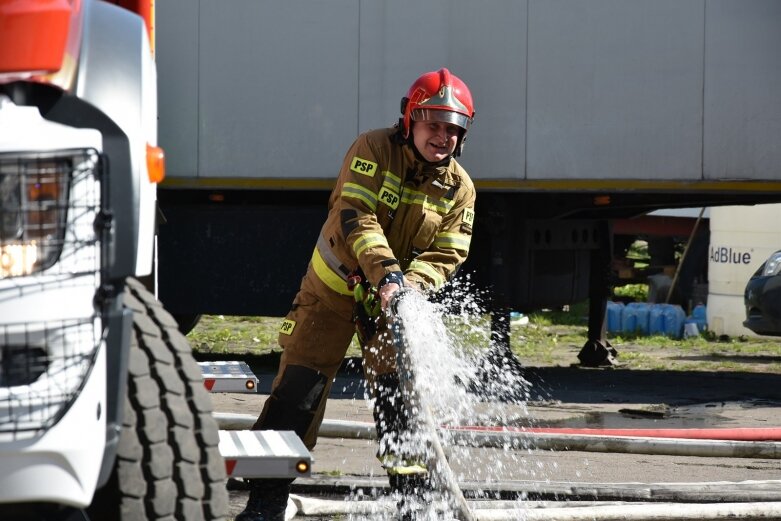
x=168, y=465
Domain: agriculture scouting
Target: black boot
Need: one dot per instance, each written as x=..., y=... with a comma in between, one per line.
x=417, y=485
x=267, y=500
x=414, y=496
x=391, y=416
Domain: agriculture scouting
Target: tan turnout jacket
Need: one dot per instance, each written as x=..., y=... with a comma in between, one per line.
x=390, y=211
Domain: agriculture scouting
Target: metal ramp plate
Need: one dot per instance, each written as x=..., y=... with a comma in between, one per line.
x=265, y=454
x=228, y=377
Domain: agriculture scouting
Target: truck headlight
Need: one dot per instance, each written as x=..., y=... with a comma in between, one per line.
x=33, y=208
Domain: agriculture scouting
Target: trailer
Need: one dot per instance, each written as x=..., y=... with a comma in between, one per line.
x=587, y=112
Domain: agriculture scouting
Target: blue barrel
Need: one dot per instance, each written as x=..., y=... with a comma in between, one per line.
x=674, y=318
x=634, y=319
x=614, y=312
x=667, y=320
x=656, y=319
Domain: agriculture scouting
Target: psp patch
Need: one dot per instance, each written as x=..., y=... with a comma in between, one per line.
x=468, y=217
x=363, y=166
x=389, y=197
x=287, y=327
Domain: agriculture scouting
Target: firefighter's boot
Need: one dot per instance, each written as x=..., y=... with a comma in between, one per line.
x=413, y=493
x=401, y=453
x=267, y=500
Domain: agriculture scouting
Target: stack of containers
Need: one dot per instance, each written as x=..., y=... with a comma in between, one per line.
x=634, y=319
x=642, y=318
x=667, y=320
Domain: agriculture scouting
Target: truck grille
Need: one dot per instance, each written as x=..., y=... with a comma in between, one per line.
x=50, y=271
x=42, y=369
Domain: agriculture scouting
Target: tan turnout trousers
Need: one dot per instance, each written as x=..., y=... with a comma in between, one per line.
x=322, y=334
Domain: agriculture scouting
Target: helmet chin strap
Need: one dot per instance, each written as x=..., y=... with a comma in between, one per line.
x=460, y=142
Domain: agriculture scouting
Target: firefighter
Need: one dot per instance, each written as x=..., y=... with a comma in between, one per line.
x=400, y=215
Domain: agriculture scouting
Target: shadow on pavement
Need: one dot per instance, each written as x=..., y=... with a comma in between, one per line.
x=580, y=385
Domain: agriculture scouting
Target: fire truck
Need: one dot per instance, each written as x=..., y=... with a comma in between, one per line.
x=103, y=412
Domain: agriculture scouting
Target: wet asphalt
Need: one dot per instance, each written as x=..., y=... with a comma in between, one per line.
x=569, y=397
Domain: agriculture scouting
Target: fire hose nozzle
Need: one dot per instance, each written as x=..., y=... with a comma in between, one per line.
x=393, y=304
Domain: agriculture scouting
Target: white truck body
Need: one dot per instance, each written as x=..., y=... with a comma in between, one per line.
x=103, y=413
x=54, y=313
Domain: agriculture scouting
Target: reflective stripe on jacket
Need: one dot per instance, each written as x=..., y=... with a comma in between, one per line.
x=390, y=211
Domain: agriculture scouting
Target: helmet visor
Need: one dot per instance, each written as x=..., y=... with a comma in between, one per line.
x=445, y=116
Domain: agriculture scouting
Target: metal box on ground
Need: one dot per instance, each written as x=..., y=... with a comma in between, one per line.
x=228, y=377
x=264, y=454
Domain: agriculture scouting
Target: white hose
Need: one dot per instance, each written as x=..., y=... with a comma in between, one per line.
x=547, y=441
x=441, y=469
x=632, y=512
x=648, y=512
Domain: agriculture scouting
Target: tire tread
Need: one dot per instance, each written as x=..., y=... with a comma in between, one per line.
x=168, y=463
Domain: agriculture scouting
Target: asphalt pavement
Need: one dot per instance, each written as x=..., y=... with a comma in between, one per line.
x=570, y=397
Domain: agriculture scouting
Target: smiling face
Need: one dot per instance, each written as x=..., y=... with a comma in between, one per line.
x=435, y=140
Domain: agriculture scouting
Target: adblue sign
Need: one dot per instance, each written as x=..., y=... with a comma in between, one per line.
x=728, y=255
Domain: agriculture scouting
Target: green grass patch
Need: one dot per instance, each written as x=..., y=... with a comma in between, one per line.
x=220, y=334
x=252, y=336
x=551, y=337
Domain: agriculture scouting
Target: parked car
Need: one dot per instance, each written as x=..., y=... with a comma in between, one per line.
x=763, y=298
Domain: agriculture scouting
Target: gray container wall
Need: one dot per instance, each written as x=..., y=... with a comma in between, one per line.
x=677, y=90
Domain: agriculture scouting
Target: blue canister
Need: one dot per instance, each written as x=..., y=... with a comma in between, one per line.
x=614, y=312
x=634, y=319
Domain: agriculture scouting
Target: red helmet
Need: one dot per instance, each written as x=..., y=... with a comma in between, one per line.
x=439, y=96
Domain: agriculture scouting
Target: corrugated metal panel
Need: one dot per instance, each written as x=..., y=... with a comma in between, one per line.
x=177, y=76
x=278, y=87
x=273, y=92
x=743, y=89
x=615, y=89
x=482, y=43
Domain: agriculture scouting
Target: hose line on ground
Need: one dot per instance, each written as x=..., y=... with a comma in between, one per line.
x=633, y=512
x=489, y=437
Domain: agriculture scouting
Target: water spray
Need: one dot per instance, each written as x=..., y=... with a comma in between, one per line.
x=438, y=464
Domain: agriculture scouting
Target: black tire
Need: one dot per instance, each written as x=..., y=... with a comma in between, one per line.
x=168, y=464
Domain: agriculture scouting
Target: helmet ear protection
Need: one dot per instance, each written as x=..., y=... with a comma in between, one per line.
x=439, y=96
x=404, y=102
